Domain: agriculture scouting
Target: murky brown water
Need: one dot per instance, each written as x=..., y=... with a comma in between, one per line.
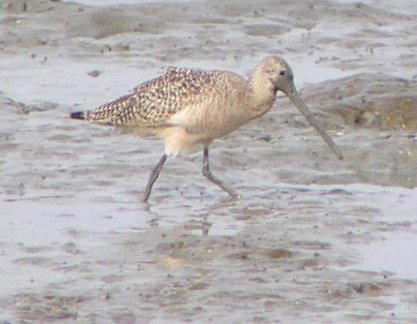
x=312, y=240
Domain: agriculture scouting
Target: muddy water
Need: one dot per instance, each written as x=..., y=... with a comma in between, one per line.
x=312, y=240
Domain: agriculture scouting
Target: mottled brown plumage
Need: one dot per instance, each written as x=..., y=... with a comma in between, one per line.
x=152, y=103
x=190, y=108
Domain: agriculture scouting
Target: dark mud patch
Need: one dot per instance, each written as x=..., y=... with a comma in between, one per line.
x=383, y=109
x=369, y=101
x=48, y=307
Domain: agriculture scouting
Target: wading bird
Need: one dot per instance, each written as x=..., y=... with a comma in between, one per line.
x=190, y=108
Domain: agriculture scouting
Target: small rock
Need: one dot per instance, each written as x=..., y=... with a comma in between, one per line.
x=94, y=73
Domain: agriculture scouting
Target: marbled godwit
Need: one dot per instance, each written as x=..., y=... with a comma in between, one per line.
x=191, y=108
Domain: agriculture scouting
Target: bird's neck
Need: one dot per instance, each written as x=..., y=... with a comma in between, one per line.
x=262, y=93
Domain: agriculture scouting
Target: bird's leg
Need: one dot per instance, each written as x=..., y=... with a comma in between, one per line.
x=207, y=173
x=152, y=178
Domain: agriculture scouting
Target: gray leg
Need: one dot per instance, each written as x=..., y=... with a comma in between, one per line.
x=212, y=178
x=152, y=178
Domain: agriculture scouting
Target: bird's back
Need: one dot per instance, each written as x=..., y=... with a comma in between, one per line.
x=153, y=103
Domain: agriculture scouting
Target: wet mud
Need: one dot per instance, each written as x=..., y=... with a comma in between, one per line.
x=312, y=239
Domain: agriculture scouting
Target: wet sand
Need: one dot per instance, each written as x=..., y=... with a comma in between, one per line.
x=313, y=239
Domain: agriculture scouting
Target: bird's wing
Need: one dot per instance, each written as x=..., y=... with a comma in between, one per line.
x=153, y=103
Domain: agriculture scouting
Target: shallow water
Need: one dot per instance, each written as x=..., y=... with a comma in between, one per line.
x=394, y=254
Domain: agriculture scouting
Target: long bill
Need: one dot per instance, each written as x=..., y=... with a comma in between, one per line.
x=292, y=93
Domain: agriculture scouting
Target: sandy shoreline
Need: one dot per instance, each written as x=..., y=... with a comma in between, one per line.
x=313, y=239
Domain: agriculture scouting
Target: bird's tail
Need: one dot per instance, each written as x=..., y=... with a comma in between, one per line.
x=78, y=115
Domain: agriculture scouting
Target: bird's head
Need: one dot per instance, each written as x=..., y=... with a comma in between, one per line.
x=277, y=71
x=281, y=78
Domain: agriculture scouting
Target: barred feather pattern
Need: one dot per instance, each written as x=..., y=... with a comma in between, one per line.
x=152, y=103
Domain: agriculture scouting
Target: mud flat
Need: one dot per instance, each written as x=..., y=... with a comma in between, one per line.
x=312, y=240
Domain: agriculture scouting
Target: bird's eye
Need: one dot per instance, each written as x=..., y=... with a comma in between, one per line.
x=282, y=72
